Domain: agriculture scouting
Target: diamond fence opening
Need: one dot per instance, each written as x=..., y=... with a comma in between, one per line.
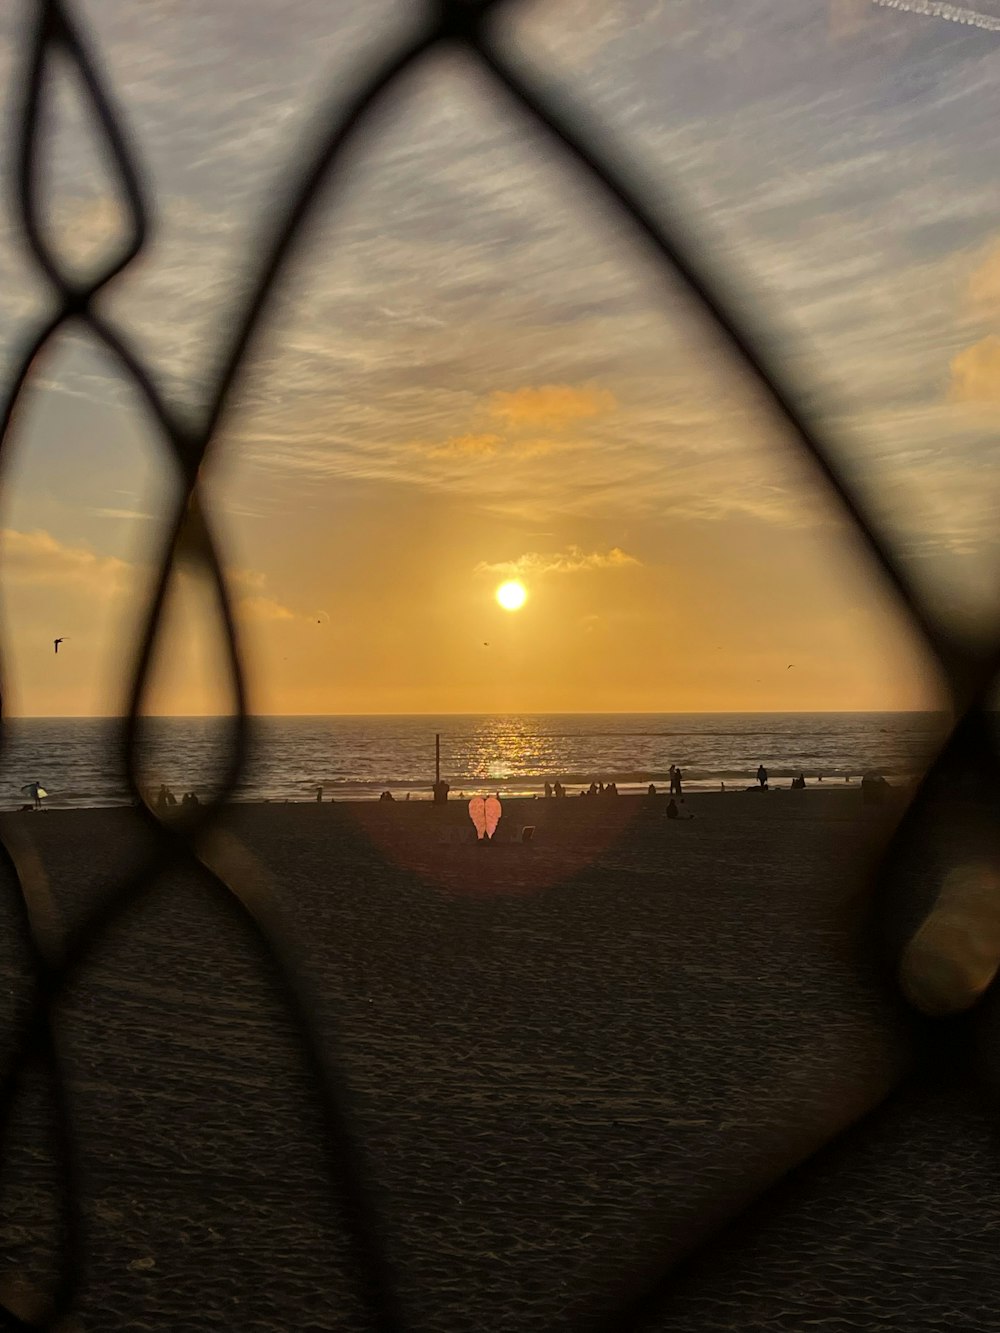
x=57, y=32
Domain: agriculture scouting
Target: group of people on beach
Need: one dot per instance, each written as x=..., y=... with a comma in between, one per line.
x=557, y=790
x=165, y=797
x=676, y=777
x=166, y=800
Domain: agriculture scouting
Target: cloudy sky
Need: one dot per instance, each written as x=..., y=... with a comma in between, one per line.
x=472, y=373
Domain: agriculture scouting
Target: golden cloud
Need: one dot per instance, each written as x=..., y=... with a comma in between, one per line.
x=253, y=601
x=571, y=561
x=551, y=406
x=263, y=609
x=526, y=415
x=975, y=372
x=39, y=558
x=983, y=289
x=246, y=581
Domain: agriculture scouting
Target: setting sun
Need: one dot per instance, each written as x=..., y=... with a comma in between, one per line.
x=511, y=596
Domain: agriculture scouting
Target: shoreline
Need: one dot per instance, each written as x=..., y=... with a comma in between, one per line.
x=81, y=763
x=632, y=801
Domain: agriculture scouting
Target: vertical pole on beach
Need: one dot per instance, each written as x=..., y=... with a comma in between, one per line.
x=437, y=757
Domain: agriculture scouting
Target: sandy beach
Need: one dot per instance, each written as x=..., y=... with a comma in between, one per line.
x=566, y=1058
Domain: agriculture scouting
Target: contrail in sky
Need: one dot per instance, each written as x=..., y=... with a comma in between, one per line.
x=937, y=10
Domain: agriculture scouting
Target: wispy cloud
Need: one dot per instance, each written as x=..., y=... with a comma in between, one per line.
x=466, y=446
x=121, y=513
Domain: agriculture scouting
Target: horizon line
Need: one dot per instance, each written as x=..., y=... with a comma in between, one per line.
x=617, y=712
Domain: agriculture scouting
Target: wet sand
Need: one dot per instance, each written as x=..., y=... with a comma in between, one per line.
x=566, y=1058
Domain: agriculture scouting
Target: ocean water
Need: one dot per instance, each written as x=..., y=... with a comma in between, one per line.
x=78, y=760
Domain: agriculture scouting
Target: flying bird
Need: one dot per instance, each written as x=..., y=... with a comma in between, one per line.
x=789, y=667
x=56, y=643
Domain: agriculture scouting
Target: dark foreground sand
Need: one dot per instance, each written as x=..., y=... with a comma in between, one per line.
x=566, y=1058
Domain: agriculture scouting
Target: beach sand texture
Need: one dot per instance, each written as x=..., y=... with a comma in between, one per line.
x=566, y=1059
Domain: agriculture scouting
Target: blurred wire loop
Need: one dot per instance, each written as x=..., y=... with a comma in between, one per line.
x=574, y=130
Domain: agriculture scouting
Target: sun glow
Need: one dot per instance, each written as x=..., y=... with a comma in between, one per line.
x=511, y=596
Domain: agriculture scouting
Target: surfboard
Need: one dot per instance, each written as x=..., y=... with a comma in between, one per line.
x=493, y=812
x=477, y=813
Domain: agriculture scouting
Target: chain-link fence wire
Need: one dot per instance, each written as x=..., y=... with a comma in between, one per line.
x=969, y=672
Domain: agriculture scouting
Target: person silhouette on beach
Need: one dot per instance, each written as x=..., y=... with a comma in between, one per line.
x=36, y=791
x=762, y=777
x=548, y=790
x=672, y=811
x=165, y=797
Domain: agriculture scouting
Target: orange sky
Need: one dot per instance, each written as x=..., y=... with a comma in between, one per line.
x=387, y=604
